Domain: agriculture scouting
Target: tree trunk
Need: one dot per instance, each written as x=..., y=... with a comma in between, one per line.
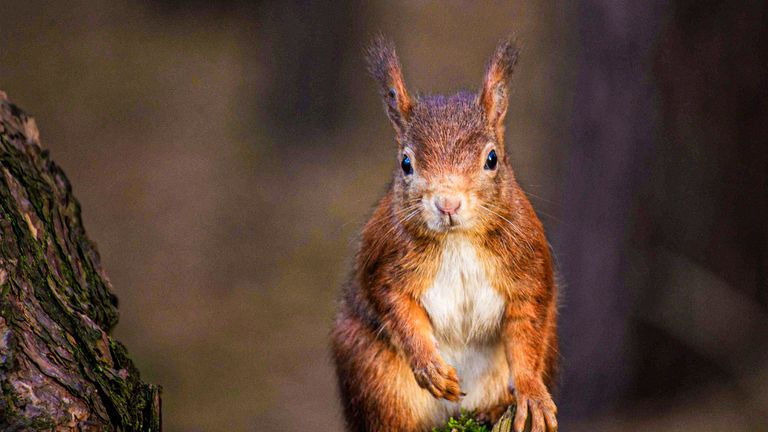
x=59, y=368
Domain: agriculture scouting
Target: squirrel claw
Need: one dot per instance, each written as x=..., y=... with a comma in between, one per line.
x=536, y=412
x=439, y=379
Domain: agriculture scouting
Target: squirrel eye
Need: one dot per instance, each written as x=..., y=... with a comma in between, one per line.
x=406, y=165
x=491, y=160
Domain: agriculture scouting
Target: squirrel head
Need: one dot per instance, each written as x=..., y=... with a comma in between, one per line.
x=452, y=172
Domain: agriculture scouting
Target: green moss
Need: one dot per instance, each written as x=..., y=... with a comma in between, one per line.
x=465, y=423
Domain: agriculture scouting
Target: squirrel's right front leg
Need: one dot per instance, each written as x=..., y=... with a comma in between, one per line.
x=411, y=330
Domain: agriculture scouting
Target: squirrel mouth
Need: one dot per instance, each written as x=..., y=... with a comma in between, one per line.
x=450, y=222
x=446, y=223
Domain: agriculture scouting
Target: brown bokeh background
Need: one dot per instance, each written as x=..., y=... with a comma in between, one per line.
x=225, y=157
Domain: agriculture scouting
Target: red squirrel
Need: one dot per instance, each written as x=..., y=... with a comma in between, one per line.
x=451, y=305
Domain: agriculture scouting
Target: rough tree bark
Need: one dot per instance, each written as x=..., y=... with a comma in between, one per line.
x=59, y=368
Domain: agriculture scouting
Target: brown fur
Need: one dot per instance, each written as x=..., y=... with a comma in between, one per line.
x=387, y=357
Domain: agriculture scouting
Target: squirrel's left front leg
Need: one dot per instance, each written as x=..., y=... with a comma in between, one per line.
x=525, y=345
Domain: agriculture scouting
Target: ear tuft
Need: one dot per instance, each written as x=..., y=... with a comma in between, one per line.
x=495, y=92
x=385, y=69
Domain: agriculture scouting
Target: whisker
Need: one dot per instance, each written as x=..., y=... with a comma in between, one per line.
x=515, y=228
x=411, y=210
x=539, y=197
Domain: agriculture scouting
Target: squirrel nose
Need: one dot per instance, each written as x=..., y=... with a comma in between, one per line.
x=448, y=205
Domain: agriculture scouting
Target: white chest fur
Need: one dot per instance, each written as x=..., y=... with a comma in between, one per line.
x=466, y=313
x=461, y=302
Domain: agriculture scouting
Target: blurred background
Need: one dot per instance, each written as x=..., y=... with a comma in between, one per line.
x=226, y=155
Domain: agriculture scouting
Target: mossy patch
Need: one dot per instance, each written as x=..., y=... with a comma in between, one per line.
x=465, y=423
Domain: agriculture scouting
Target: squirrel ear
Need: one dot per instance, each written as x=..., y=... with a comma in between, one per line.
x=494, y=95
x=385, y=69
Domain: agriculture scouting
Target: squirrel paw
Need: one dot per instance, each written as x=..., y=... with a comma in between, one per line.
x=541, y=409
x=438, y=378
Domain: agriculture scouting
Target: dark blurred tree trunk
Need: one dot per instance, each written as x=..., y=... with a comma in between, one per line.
x=307, y=44
x=59, y=368
x=612, y=134
x=664, y=248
